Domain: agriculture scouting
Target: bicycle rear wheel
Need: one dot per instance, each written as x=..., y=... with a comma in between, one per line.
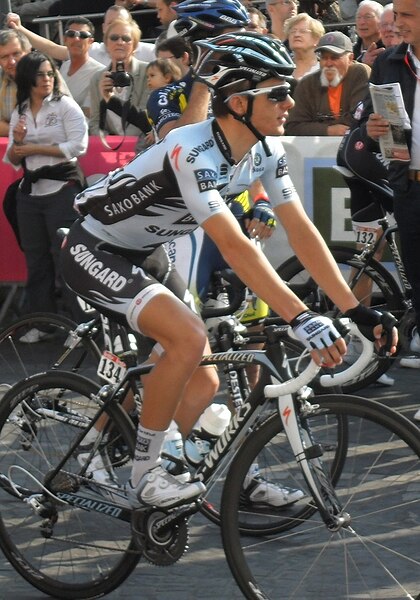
x=21, y=355
x=385, y=295
x=77, y=543
x=377, y=556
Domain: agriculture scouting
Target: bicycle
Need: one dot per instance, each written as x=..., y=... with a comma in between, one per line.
x=51, y=509
x=387, y=293
x=66, y=345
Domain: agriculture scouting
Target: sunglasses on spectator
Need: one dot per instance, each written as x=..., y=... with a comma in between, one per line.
x=277, y=93
x=73, y=33
x=114, y=37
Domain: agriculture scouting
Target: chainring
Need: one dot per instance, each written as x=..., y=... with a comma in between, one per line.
x=164, y=547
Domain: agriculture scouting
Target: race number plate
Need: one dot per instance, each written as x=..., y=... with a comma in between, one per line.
x=111, y=368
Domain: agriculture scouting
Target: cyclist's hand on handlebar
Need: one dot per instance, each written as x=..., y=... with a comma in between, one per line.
x=320, y=335
x=263, y=221
x=379, y=327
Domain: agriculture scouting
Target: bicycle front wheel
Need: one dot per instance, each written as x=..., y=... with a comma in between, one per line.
x=38, y=342
x=377, y=555
x=67, y=539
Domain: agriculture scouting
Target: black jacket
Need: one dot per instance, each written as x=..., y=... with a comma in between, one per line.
x=390, y=67
x=357, y=48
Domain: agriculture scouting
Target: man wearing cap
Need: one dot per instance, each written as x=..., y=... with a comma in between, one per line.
x=325, y=100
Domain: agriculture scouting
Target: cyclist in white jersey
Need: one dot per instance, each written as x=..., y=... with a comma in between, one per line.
x=113, y=256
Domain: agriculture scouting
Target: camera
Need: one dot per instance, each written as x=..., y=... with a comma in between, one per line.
x=120, y=77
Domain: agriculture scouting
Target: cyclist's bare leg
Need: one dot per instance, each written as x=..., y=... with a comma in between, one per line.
x=198, y=394
x=183, y=338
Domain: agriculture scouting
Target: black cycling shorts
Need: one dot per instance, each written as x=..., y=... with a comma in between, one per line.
x=111, y=278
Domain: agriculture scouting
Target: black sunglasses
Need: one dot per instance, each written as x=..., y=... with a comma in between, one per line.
x=278, y=93
x=73, y=33
x=114, y=37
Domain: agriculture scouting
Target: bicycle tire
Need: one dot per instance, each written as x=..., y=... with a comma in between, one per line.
x=386, y=296
x=19, y=360
x=86, y=553
x=378, y=556
x=257, y=520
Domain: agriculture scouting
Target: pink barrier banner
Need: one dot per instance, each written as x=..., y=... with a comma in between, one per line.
x=97, y=160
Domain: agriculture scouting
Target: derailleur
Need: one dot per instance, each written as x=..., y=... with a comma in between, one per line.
x=162, y=535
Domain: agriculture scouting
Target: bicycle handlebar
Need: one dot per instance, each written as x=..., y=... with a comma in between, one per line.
x=309, y=373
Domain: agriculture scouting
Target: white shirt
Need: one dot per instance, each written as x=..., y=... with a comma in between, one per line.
x=144, y=52
x=79, y=82
x=59, y=122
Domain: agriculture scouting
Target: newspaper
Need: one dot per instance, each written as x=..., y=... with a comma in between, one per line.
x=387, y=101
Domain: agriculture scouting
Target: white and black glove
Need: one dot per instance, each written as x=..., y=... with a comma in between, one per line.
x=314, y=331
x=367, y=319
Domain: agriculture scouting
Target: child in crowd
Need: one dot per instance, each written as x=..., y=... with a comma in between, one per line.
x=161, y=72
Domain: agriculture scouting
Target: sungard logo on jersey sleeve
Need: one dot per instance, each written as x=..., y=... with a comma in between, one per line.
x=95, y=267
x=198, y=149
x=206, y=179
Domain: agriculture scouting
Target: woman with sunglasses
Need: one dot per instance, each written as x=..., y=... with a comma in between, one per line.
x=48, y=132
x=125, y=78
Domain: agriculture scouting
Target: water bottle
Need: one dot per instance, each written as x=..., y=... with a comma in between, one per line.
x=208, y=428
x=173, y=446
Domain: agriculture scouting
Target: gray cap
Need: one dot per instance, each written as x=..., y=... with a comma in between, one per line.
x=335, y=42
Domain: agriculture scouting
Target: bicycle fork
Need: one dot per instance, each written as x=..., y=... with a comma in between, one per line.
x=308, y=456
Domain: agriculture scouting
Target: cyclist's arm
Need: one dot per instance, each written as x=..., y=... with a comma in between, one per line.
x=195, y=111
x=45, y=45
x=254, y=269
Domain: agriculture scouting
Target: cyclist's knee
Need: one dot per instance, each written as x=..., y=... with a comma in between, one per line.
x=187, y=340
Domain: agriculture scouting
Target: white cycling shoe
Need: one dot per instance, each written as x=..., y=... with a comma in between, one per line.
x=159, y=488
x=260, y=492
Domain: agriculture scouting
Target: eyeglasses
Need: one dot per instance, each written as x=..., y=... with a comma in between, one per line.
x=365, y=17
x=294, y=31
x=388, y=27
x=48, y=74
x=73, y=33
x=277, y=93
x=114, y=37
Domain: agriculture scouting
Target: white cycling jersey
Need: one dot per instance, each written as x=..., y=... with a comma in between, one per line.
x=174, y=186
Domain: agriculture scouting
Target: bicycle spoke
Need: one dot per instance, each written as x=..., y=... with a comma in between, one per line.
x=376, y=556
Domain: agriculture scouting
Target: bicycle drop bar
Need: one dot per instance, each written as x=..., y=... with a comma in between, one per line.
x=308, y=374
